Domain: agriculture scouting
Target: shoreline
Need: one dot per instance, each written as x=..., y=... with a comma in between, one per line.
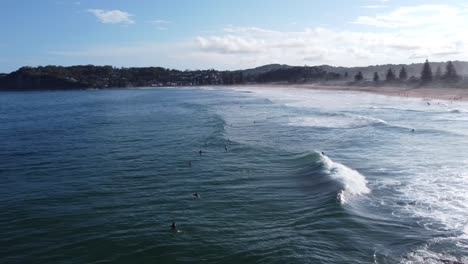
x=425, y=93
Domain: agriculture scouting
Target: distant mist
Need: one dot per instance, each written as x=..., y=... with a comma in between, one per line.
x=413, y=69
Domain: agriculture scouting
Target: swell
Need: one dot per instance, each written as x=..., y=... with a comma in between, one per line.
x=212, y=125
x=336, y=120
x=354, y=121
x=321, y=174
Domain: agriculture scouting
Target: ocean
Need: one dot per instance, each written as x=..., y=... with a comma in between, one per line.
x=285, y=176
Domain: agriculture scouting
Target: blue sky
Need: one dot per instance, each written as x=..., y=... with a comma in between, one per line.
x=190, y=34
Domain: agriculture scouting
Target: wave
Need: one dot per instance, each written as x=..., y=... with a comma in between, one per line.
x=352, y=182
x=329, y=177
x=397, y=109
x=431, y=253
x=458, y=110
x=336, y=121
x=435, y=199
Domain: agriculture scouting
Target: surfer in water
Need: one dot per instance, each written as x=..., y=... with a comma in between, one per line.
x=225, y=148
x=190, y=163
x=200, y=152
x=196, y=195
x=323, y=153
x=173, y=226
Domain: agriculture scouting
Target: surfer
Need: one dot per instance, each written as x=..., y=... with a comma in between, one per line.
x=200, y=152
x=412, y=130
x=195, y=195
x=190, y=163
x=225, y=148
x=323, y=153
x=173, y=226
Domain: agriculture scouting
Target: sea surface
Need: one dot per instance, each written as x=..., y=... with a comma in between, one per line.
x=98, y=176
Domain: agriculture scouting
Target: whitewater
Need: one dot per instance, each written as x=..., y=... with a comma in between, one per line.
x=425, y=174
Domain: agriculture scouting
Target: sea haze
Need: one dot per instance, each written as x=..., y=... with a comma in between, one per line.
x=285, y=176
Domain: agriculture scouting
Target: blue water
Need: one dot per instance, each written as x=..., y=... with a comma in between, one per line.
x=99, y=176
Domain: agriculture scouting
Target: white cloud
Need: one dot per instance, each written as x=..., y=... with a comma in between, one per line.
x=404, y=46
x=244, y=47
x=414, y=16
x=229, y=44
x=160, y=22
x=374, y=6
x=348, y=48
x=314, y=58
x=112, y=16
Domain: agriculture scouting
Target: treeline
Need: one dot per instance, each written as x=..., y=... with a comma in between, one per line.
x=296, y=75
x=90, y=76
x=449, y=76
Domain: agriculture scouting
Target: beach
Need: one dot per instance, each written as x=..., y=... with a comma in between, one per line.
x=427, y=93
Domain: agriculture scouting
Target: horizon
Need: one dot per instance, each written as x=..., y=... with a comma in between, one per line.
x=231, y=36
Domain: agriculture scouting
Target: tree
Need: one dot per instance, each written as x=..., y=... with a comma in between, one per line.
x=390, y=77
x=358, y=77
x=450, y=73
x=376, y=77
x=438, y=73
x=403, y=75
x=426, y=73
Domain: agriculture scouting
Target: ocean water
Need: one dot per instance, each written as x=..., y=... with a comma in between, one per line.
x=99, y=176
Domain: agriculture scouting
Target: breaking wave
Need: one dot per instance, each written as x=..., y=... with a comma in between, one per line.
x=336, y=121
x=353, y=183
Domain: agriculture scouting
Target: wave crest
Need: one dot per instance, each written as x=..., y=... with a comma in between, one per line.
x=352, y=181
x=336, y=121
x=457, y=110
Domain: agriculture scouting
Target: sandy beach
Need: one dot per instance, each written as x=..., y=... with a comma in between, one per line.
x=428, y=93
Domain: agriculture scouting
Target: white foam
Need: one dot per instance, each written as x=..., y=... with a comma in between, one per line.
x=437, y=200
x=426, y=256
x=353, y=182
x=457, y=110
x=441, y=195
x=335, y=121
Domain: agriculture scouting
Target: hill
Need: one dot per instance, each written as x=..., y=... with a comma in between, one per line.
x=90, y=76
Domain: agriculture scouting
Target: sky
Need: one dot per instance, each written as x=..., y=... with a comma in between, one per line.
x=229, y=35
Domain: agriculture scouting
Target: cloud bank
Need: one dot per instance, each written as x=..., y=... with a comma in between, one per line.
x=406, y=34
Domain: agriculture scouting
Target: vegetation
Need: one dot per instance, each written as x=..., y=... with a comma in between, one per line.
x=426, y=73
x=358, y=77
x=403, y=75
x=376, y=77
x=90, y=76
x=438, y=73
x=450, y=73
x=390, y=77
